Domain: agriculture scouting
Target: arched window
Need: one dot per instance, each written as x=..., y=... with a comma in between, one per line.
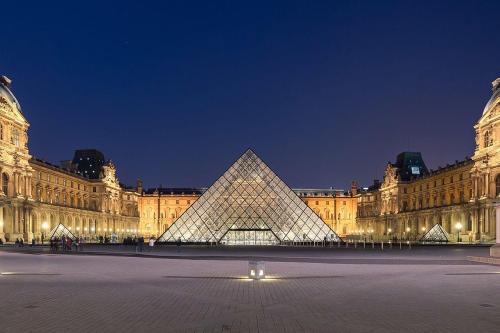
x=486, y=138
x=15, y=137
x=498, y=185
x=5, y=183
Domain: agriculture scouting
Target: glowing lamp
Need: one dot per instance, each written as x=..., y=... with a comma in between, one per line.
x=256, y=270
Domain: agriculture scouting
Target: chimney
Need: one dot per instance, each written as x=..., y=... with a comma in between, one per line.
x=354, y=187
x=139, y=186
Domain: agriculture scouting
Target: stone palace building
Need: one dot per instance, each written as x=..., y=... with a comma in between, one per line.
x=85, y=195
x=462, y=197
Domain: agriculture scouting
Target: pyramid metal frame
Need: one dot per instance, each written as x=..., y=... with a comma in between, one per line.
x=435, y=234
x=248, y=200
x=60, y=230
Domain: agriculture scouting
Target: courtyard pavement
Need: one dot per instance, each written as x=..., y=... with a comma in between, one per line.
x=427, y=289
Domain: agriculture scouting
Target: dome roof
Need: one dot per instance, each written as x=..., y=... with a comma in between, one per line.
x=8, y=102
x=495, y=97
x=7, y=94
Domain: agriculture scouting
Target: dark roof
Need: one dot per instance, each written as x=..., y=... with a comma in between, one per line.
x=200, y=191
x=410, y=166
x=57, y=168
x=176, y=191
x=89, y=162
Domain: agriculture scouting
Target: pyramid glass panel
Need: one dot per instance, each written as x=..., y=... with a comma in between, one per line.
x=435, y=234
x=248, y=205
x=59, y=231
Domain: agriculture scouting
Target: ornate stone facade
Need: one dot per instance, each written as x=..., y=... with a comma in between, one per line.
x=37, y=195
x=159, y=208
x=463, y=197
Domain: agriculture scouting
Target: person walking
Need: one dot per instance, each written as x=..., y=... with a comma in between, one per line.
x=63, y=243
x=141, y=244
x=69, y=243
x=82, y=242
x=151, y=244
x=77, y=241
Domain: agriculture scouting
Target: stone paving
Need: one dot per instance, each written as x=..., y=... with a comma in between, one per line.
x=45, y=292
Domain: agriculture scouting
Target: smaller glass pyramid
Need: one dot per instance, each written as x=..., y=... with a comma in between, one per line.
x=249, y=205
x=61, y=230
x=436, y=234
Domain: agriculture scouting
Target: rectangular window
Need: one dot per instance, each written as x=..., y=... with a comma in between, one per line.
x=94, y=189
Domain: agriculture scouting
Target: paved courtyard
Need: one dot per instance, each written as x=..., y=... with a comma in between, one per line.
x=334, y=290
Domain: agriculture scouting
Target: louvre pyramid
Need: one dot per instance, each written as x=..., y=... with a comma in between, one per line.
x=61, y=230
x=248, y=205
x=436, y=234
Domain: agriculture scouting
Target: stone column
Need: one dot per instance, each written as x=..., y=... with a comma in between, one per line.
x=2, y=223
x=495, y=249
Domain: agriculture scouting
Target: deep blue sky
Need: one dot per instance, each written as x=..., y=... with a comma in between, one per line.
x=324, y=92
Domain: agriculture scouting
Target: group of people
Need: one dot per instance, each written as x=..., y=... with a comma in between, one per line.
x=19, y=242
x=66, y=243
x=139, y=243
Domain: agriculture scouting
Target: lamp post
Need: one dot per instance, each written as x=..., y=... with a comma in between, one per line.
x=408, y=229
x=45, y=226
x=458, y=226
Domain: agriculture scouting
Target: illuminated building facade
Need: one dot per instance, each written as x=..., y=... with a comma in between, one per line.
x=462, y=197
x=36, y=196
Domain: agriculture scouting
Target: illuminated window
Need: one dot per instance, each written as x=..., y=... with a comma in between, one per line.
x=486, y=139
x=5, y=183
x=498, y=186
x=15, y=137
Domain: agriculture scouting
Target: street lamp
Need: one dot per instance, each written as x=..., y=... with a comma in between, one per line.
x=45, y=226
x=458, y=226
x=423, y=229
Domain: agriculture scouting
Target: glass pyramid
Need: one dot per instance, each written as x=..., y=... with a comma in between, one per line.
x=435, y=234
x=61, y=230
x=248, y=205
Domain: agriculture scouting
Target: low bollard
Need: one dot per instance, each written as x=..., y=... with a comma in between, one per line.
x=373, y=245
x=409, y=245
x=390, y=244
x=364, y=244
x=355, y=244
x=338, y=244
x=400, y=245
x=382, y=245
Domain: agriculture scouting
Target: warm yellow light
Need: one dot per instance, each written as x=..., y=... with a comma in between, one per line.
x=408, y=229
x=389, y=230
x=45, y=225
x=77, y=228
x=458, y=226
x=423, y=229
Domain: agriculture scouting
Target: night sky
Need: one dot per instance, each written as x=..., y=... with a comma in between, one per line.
x=324, y=92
